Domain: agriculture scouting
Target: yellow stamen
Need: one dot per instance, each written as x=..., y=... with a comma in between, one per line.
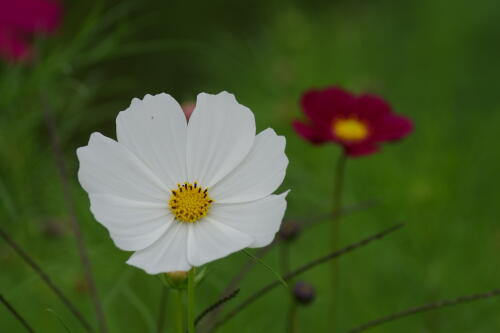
x=189, y=202
x=350, y=129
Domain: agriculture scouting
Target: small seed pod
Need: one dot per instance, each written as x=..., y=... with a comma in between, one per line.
x=289, y=231
x=303, y=292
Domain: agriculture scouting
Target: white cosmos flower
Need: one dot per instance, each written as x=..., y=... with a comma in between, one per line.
x=183, y=194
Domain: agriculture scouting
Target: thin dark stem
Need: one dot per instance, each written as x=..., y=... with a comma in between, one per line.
x=305, y=223
x=217, y=304
x=71, y=207
x=425, y=308
x=291, y=315
x=310, y=221
x=338, y=188
x=161, y=309
x=263, y=291
x=16, y=314
x=46, y=279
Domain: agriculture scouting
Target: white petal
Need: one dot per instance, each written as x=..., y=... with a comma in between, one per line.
x=220, y=135
x=260, y=219
x=108, y=167
x=133, y=225
x=167, y=254
x=209, y=240
x=260, y=173
x=155, y=130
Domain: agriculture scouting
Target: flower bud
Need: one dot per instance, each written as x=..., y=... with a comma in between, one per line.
x=188, y=108
x=176, y=280
x=303, y=292
x=289, y=231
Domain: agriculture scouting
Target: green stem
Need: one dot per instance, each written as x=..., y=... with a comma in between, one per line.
x=292, y=305
x=338, y=188
x=292, y=324
x=180, y=312
x=191, y=277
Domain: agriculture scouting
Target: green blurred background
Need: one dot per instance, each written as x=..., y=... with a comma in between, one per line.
x=436, y=61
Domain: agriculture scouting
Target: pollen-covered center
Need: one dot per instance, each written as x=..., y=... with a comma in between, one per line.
x=350, y=129
x=189, y=202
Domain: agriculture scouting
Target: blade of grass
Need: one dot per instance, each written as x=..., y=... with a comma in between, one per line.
x=260, y=261
x=59, y=318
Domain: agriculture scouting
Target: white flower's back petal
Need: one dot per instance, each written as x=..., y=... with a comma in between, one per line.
x=155, y=129
x=260, y=173
x=209, y=240
x=167, y=254
x=133, y=225
x=108, y=167
x=260, y=219
x=220, y=134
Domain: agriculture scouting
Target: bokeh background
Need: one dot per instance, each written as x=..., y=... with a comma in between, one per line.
x=436, y=61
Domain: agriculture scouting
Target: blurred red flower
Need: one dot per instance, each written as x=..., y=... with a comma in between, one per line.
x=20, y=20
x=358, y=123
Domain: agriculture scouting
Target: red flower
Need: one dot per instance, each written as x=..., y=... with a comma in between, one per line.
x=20, y=20
x=358, y=123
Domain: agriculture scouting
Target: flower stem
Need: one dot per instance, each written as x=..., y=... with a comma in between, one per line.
x=190, y=291
x=292, y=305
x=180, y=312
x=338, y=188
x=292, y=324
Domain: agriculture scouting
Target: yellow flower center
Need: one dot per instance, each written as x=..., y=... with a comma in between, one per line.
x=189, y=202
x=350, y=129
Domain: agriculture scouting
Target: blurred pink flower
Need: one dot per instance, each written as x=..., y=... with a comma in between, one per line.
x=188, y=108
x=20, y=21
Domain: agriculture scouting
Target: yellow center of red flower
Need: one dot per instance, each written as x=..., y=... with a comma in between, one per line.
x=350, y=129
x=189, y=202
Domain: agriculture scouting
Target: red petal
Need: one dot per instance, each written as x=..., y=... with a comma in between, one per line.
x=310, y=133
x=372, y=108
x=361, y=149
x=394, y=128
x=321, y=106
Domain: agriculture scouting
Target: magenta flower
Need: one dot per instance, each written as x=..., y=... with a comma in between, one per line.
x=358, y=123
x=20, y=21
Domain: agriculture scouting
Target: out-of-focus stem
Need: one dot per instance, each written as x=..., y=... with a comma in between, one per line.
x=292, y=305
x=191, y=303
x=60, y=163
x=292, y=322
x=46, y=279
x=16, y=314
x=338, y=187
